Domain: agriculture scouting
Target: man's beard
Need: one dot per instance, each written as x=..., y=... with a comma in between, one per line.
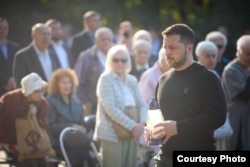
x=56, y=39
x=180, y=62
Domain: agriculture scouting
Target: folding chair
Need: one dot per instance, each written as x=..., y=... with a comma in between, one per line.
x=90, y=121
x=61, y=140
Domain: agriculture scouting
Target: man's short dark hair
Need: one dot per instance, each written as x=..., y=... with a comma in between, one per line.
x=52, y=21
x=90, y=14
x=185, y=32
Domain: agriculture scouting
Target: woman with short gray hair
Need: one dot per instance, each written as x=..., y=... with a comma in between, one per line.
x=207, y=54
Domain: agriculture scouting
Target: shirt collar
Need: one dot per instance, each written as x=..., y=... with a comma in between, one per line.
x=38, y=51
x=91, y=36
x=139, y=67
x=100, y=54
x=59, y=43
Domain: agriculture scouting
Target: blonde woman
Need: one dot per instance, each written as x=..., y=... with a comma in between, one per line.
x=116, y=91
x=66, y=111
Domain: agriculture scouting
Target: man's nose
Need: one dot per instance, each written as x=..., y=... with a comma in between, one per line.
x=167, y=52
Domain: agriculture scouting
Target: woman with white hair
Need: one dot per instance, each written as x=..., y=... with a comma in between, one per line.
x=219, y=39
x=207, y=54
x=118, y=92
x=142, y=34
x=146, y=36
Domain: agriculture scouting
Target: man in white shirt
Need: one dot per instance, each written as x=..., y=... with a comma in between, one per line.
x=57, y=44
x=36, y=57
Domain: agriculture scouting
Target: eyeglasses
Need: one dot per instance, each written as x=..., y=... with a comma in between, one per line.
x=220, y=46
x=120, y=60
x=140, y=52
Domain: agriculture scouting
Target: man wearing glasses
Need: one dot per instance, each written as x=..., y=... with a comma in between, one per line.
x=220, y=41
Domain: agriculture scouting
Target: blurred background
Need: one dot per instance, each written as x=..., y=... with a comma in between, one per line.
x=201, y=15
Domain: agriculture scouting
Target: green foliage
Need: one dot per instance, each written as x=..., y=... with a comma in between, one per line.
x=202, y=15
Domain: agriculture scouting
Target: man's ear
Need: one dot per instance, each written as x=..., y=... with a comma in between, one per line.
x=32, y=35
x=190, y=48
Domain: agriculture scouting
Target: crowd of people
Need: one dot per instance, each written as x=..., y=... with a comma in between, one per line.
x=204, y=96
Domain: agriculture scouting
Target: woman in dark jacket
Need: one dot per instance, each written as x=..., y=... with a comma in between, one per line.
x=66, y=111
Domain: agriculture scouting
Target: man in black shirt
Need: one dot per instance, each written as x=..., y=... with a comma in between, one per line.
x=190, y=97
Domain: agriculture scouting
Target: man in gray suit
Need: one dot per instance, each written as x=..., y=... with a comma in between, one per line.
x=36, y=57
x=89, y=67
x=236, y=83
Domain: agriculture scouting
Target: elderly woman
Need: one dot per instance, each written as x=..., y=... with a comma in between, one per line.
x=19, y=103
x=145, y=35
x=147, y=87
x=118, y=91
x=66, y=111
x=150, y=77
x=142, y=34
x=141, y=56
x=207, y=54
